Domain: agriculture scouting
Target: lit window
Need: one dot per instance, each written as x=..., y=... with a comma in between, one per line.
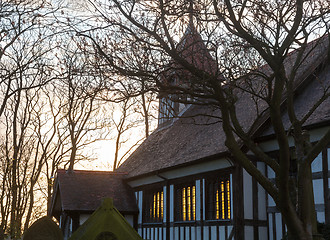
x=186, y=203
x=218, y=199
x=153, y=206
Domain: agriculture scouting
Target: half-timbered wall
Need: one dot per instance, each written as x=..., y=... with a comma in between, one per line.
x=203, y=224
x=200, y=228
x=253, y=214
x=320, y=170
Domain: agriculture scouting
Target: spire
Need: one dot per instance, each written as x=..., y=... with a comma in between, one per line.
x=191, y=14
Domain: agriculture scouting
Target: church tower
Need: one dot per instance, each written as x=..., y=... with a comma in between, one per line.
x=191, y=48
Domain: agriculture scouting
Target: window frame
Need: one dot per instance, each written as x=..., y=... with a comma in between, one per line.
x=153, y=206
x=185, y=202
x=218, y=198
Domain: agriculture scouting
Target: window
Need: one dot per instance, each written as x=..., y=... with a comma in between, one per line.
x=168, y=109
x=218, y=198
x=154, y=206
x=186, y=203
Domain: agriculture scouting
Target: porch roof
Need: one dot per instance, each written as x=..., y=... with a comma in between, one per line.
x=83, y=190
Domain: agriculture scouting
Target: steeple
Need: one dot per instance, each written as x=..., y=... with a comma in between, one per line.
x=191, y=14
x=193, y=49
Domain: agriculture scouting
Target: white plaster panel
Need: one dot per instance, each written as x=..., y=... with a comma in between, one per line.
x=187, y=237
x=271, y=202
x=148, y=233
x=262, y=210
x=156, y=233
x=171, y=203
x=317, y=164
x=176, y=233
x=197, y=168
x=320, y=217
x=164, y=233
x=328, y=153
x=193, y=233
x=213, y=233
x=152, y=233
x=183, y=172
x=144, y=233
x=248, y=232
x=83, y=218
x=182, y=236
x=317, y=134
x=222, y=233
x=278, y=220
x=198, y=233
x=206, y=233
x=140, y=207
x=145, y=180
x=230, y=228
x=129, y=219
x=204, y=206
x=270, y=225
x=263, y=233
x=172, y=233
x=270, y=173
x=261, y=167
x=318, y=191
x=198, y=200
x=272, y=145
x=248, y=199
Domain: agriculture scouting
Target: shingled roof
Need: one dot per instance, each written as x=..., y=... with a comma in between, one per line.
x=83, y=190
x=194, y=137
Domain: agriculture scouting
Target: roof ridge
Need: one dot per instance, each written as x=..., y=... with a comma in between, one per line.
x=87, y=171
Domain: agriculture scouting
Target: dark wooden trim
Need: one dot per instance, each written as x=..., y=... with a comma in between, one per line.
x=168, y=203
x=202, y=209
x=283, y=226
x=274, y=225
x=238, y=203
x=185, y=179
x=197, y=161
x=151, y=225
x=267, y=214
x=325, y=171
x=256, y=223
x=255, y=208
x=309, y=127
x=218, y=223
x=274, y=209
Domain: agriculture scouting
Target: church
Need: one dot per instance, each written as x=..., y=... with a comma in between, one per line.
x=181, y=182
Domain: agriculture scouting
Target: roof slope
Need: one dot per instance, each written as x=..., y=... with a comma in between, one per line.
x=193, y=137
x=305, y=101
x=43, y=229
x=83, y=190
x=106, y=223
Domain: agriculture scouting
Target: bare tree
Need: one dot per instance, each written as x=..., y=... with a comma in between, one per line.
x=241, y=36
x=19, y=20
x=123, y=121
x=81, y=107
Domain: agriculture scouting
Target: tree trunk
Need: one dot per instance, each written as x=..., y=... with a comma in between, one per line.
x=72, y=157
